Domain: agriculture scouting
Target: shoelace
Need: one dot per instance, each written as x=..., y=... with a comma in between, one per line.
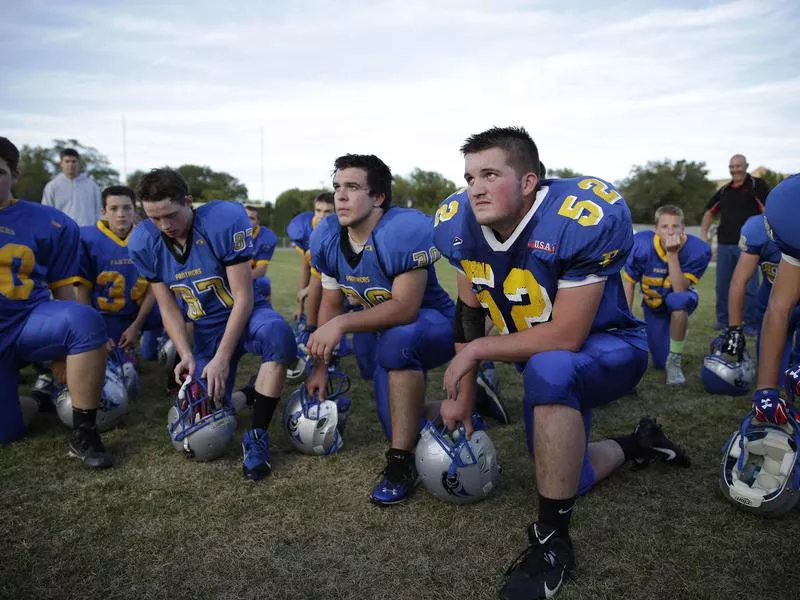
x=396, y=471
x=548, y=555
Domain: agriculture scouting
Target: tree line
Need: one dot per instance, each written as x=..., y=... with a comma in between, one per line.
x=682, y=183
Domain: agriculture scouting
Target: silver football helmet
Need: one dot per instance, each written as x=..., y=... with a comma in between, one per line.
x=760, y=470
x=723, y=374
x=198, y=427
x=113, y=402
x=455, y=469
x=315, y=426
x=297, y=372
x=126, y=370
x=167, y=354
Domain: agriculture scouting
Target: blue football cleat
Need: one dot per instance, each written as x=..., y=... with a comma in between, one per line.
x=398, y=480
x=255, y=447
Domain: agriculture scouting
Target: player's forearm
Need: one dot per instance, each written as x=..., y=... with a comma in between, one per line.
x=630, y=291
x=175, y=326
x=329, y=308
x=520, y=346
x=313, y=301
x=736, y=295
x=679, y=282
x=705, y=224
x=773, y=339
x=305, y=274
x=144, y=310
x=259, y=271
x=468, y=385
x=237, y=322
x=390, y=313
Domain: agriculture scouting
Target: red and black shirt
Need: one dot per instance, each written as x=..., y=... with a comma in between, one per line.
x=735, y=204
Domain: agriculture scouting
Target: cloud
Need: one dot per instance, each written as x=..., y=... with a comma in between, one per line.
x=601, y=89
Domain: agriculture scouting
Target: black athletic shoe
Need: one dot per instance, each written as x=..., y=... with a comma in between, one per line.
x=542, y=567
x=656, y=446
x=85, y=443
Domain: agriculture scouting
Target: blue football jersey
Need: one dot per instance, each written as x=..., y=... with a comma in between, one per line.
x=264, y=242
x=783, y=218
x=578, y=230
x=221, y=235
x=401, y=241
x=754, y=240
x=647, y=265
x=299, y=231
x=39, y=251
x=107, y=269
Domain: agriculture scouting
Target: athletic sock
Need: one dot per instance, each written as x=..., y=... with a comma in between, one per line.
x=556, y=513
x=263, y=409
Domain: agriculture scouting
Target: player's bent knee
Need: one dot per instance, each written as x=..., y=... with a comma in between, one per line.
x=86, y=328
x=686, y=301
x=550, y=378
x=398, y=348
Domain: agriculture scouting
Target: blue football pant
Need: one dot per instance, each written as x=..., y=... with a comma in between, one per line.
x=53, y=329
x=605, y=369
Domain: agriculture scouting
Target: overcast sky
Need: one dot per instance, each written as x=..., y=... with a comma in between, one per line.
x=600, y=86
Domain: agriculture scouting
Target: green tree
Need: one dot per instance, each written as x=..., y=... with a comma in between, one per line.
x=95, y=164
x=288, y=204
x=39, y=164
x=204, y=183
x=682, y=183
x=562, y=173
x=772, y=178
x=36, y=169
x=423, y=190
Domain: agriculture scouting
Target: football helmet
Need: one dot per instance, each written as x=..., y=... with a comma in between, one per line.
x=297, y=372
x=126, y=369
x=113, y=401
x=455, y=469
x=723, y=374
x=315, y=426
x=760, y=470
x=197, y=426
x=167, y=354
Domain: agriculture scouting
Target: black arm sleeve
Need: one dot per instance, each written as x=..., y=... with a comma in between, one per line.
x=469, y=324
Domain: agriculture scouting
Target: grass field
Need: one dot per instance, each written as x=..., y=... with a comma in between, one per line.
x=160, y=526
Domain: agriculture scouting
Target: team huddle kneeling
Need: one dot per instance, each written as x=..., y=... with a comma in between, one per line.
x=542, y=259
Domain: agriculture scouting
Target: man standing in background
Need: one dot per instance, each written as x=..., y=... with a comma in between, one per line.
x=735, y=202
x=73, y=192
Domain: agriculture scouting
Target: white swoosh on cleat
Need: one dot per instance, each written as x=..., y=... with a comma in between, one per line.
x=671, y=454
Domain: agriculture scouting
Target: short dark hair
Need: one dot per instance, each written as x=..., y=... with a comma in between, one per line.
x=379, y=175
x=70, y=152
x=119, y=190
x=9, y=153
x=523, y=155
x=326, y=197
x=162, y=183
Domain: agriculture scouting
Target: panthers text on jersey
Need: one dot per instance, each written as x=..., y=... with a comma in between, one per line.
x=578, y=231
x=220, y=236
x=401, y=241
x=783, y=218
x=264, y=243
x=107, y=269
x=39, y=251
x=647, y=265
